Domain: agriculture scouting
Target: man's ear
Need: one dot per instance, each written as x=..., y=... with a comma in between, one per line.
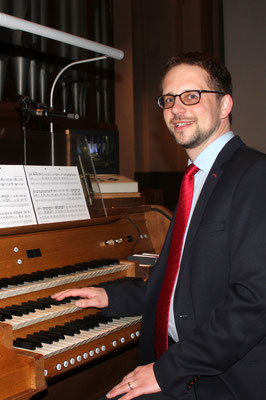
x=226, y=105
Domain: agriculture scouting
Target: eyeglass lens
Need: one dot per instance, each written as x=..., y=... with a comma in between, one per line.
x=187, y=98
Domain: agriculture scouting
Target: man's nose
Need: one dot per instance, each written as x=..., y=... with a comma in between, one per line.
x=178, y=107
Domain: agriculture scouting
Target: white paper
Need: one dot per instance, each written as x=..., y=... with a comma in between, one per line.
x=56, y=193
x=15, y=203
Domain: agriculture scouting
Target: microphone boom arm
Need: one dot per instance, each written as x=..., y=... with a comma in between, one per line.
x=52, y=94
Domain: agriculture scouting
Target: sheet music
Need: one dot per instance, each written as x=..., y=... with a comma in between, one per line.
x=15, y=203
x=56, y=193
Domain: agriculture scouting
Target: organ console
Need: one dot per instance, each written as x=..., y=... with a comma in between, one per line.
x=53, y=350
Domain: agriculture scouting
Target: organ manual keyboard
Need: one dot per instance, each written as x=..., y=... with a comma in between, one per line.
x=53, y=350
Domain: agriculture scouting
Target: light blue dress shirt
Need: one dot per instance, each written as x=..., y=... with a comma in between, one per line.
x=204, y=162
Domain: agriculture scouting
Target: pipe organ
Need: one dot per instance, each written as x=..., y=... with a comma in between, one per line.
x=49, y=348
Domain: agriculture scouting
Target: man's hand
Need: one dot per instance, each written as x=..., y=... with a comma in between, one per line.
x=140, y=381
x=91, y=297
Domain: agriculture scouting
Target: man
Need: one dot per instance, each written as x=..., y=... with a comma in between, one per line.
x=217, y=318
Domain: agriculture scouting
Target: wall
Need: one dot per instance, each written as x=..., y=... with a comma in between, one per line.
x=149, y=32
x=245, y=57
x=124, y=99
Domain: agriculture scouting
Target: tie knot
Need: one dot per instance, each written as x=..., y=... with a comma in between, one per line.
x=191, y=170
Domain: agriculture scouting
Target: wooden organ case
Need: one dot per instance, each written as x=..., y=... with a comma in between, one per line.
x=89, y=367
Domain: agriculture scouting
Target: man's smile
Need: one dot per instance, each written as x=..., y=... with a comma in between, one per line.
x=180, y=125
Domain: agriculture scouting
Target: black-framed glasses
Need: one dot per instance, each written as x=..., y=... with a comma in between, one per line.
x=189, y=98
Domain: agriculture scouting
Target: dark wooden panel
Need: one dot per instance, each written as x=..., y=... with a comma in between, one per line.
x=94, y=381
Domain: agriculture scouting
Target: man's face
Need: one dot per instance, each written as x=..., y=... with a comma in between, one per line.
x=194, y=126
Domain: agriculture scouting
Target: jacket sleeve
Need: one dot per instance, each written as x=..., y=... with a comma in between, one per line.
x=125, y=299
x=236, y=326
x=129, y=298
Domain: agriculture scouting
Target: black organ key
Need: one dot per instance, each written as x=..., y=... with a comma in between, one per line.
x=82, y=325
x=42, y=338
x=36, y=342
x=37, y=276
x=64, y=301
x=3, y=283
x=49, y=301
x=24, y=344
x=86, y=323
x=90, y=323
x=35, y=304
x=25, y=309
x=65, y=330
x=72, y=326
x=24, y=278
x=29, y=278
x=100, y=319
x=6, y=313
x=55, y=272
x=52, y=335
x=59, y=334
x=16, y=280
x=51, y=273
x=44, y=302
x=12, y=281
x=46, y=274
x=14, y=311
x=31, y=306
x=28, y=307
x=79, y=267
x=69, y=269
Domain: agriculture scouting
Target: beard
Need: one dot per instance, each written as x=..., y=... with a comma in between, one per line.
x=197, y=138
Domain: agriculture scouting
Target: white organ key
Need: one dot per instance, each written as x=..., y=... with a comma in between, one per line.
x=42, y=315
x=70, y=342
x=46, y=283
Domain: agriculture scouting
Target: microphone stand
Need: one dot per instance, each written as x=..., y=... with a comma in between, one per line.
x=25, y=104
x=52, y=125
x=52, y=94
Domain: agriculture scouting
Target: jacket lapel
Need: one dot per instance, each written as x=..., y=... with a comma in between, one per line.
x=212, y=179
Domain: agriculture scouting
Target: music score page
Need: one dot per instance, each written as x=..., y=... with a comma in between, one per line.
x=57, y=194
x=15, y=202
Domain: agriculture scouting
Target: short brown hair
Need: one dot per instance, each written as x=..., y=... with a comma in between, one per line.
x=219, y=76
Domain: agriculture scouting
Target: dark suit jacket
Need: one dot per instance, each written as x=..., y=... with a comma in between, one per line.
x=220, y=300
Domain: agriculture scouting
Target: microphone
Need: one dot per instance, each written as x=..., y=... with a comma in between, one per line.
x=49, y=113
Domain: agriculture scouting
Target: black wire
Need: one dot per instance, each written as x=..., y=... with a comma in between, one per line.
x=126, y=216
x=137, y=228
x=161, y=212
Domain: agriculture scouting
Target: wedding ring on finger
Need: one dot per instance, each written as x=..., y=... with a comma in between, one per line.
x=129, y=385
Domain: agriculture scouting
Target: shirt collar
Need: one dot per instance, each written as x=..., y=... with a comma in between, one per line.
x=206, y=158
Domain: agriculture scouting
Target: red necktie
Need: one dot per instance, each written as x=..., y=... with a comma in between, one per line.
x=181, y=219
